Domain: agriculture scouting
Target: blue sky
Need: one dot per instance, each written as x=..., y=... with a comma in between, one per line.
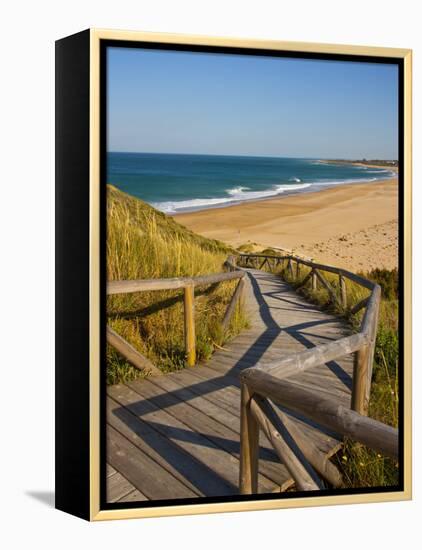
x=181, y=102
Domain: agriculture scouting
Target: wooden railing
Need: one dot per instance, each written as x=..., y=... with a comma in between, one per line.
x=189, y=284
x=362, y=343
x=304, y=461
x=263, y=383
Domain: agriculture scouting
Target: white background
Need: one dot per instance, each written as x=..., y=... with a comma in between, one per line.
x=27, y=268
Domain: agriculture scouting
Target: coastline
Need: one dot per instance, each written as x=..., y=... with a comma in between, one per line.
x=349, y=225
x=369, y=164
x=295, y=187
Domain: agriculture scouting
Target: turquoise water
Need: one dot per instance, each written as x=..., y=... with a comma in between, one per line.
x=180, y=183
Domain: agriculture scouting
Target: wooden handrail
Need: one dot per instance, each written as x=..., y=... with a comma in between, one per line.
x=131, y=355
x=146, y=285
x=326, y=412
x=362, y=344
x=323, y=267
x=188, y=284
x=268, y=381
x=313, y=357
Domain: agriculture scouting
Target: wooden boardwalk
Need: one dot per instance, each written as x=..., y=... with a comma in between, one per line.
x=177, y=436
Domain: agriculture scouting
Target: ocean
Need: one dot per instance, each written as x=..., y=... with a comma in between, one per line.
x=176, y=183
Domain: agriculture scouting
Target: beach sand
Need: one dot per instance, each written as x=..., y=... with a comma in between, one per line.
x=351, y=226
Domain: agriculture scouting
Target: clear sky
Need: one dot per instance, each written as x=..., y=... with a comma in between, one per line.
x=181, y=102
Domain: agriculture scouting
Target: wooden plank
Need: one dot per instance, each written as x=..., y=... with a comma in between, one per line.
x=200, y=479
x=268, y=463
x=134, y=496
x=328, y=382
x=224, y=392
x=130, y=353
x=118, y=487
x=193, y=442
x=200, y=422
x=145, y=474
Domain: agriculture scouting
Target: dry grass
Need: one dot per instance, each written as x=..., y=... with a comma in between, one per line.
x=143, y=243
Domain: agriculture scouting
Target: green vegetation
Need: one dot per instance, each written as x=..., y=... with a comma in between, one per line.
x=246, y=248
x=143, y=243
x=361, y=466
x=271, y=252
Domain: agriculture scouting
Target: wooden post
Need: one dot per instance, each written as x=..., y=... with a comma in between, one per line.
x=130, y=353
x=360, y=380
x=328, y=287
x=306, y=279
x=237, y=295
x=371, y=351
x=249, y=444
x=343, y=291
x=327, y=412
x=290, y=268
x=316, y=458
x=314, y=280
x=286, y=448
x=363, y=303
x=297, y=270
x=233, y=263
x=190, y=325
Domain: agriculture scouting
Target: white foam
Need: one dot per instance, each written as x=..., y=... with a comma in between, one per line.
x=237, y=194
x=241, y=193
x=237, y=190
x=342, y=182
x=388, y=173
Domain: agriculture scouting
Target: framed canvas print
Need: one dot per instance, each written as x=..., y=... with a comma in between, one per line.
x=233, y=274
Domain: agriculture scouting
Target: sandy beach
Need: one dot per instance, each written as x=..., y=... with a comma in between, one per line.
x=353, y=226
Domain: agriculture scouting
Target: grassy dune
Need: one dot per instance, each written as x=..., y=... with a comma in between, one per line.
x=144, y=243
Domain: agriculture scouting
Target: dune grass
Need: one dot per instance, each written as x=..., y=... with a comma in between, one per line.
x=143, y=243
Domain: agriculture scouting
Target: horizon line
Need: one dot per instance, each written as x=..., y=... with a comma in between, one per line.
x=249, y=155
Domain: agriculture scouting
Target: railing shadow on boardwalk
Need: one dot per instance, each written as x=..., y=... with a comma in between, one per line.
x=159, y=414
x=251, y=357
